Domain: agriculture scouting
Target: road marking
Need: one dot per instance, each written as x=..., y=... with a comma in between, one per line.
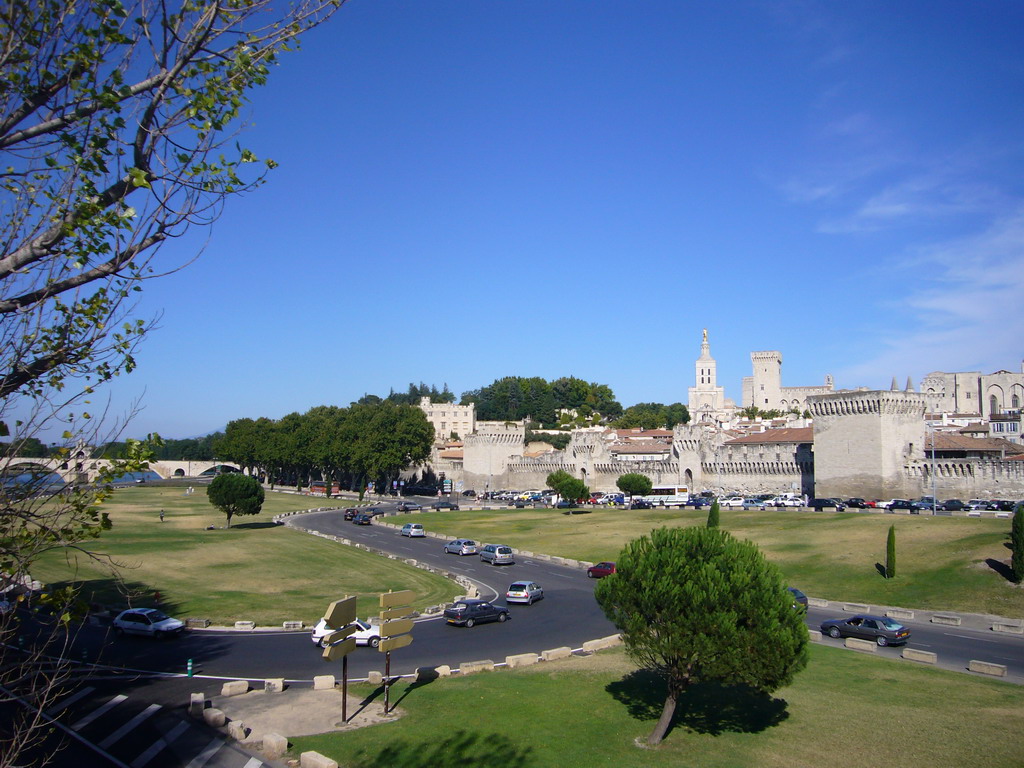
x=253, y=763
x=61, y=706
x=204, y=757
x=159, y=744
x=124, y=729
x=968, y=637
x=98, y=712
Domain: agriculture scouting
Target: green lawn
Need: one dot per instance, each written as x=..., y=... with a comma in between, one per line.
x=254, y=571
x=845, y=708
x=942, y=562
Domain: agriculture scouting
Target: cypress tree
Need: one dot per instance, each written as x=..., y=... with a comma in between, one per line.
x=890, y=553
x=1017, y=545
x=713, y=514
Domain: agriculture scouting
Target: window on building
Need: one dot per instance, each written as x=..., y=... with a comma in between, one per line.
x=1015, y=402
x=993, y=405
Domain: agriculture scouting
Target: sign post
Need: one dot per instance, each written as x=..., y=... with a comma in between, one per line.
x=394, y=632
x=340, y=617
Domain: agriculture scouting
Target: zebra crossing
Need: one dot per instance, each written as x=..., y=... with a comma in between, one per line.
x=129, y=732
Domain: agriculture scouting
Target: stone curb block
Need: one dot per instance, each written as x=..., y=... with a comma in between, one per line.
x=899, y=613
x=443, y=671
x=861, y=645
x=214, y=717
x=197, y=623
x=601, y=643
x=234, y=688
x=294, y=625
x=245, y=625
x=987, y=668
x=274, y=685
x=237, y=730
x=817, y=602
x=470, y=667
x=945, y=618
x=856, y=607
x=556, y=653
x=323, y=683
x=1008, y=626
x=374, y=677
x=316, y=760
x=925, y=657
x=814, y=635
x=521, y=660
x=274, y=745
x=196, y=705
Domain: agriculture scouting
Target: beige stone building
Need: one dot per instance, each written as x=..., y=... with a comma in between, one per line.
x=449, y=418
x=764, y=388
x=706, y=401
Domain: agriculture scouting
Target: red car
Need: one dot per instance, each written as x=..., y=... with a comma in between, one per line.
x=600, y=570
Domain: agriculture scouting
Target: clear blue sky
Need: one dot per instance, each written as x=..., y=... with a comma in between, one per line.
x=474, y=189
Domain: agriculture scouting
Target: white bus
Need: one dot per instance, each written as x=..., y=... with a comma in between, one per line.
x=668, y=495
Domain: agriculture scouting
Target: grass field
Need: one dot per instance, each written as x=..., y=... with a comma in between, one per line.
x=942, y=562
x=845, y=708
x=255, y=570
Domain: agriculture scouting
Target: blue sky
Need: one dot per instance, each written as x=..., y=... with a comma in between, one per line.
x=471, y=189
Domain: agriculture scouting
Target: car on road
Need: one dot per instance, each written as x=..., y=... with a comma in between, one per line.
x=820, y=504
x=856, y=503
x=363, y=519
x=881, y=629
x=799, y=599
x=641, y=504
x=460, y=547
x=147, y=621
x=952, y=505
x=413, y=531
x=893, y=504
x=468, y=612
x=524, y=592
x=444, y=505
x=409, y=506
x=351, y=512
x=600, y=570
x=365, y=634
x=497, y=554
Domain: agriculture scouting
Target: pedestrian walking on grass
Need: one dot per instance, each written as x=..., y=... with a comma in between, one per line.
x=161, y=515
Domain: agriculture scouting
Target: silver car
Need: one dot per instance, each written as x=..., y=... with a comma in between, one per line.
x=147, y=621
x=524, y=592
x=497, y=554
x=460, y=547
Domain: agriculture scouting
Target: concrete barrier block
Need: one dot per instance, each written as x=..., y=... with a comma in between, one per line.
x=293, y=625
x=214, y=717
x=245, y=625
x=856, y=607
x=814, y=635
x=237, y=730
x=613, y=641
x=443, y=671
x=274, y=685
x=471, y=667
x=374, y=677
x=197, y=623
x=1013, y=627
x=274, y=745
x=196, y=705
x=861, y=645
x=556, y=653
x=316, y=760
x=521, y=660
x=323, y=682
x=987, y=668
x=946, y=618
x=234, y=688
x=899, y=613
x=817, y=602
x=925, y=657
x=974, y=513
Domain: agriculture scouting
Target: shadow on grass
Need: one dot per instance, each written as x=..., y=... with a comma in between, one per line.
x=711, y=708
x=577, y=511
x=457, y=749
x=252, y=526
x=426, y=677
x=1000, y=567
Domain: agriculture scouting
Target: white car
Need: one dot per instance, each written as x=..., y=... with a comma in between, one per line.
x=413, y=530
x=731, y=501
x=785, y=501
x=524, y=592
x=146, y=621
x=460, y=547
x=365, y=634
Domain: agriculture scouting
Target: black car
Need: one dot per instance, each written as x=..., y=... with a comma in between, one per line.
x=856, y=504
x=881, y=629
x=444, y=505
x=641, y=504
x=469, y=494
x=799, y=599
x=468, y=612
x=363, y=519
x=902, y=504
x=820, y=504
x=351, y=512
x=953, y=505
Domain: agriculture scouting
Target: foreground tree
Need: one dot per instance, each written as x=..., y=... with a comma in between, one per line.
x=236, y=494
x=634, y=484
x=714, y=514
x=696, y=605
x=1017, y=544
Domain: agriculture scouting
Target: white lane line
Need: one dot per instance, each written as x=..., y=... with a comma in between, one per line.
x=98, y=712
x=253, y=763
x=968, y=637
x=121, y=732
x=159, y=744
x=65, y=703
x=204, y=757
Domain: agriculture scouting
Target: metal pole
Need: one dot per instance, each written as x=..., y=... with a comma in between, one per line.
x=387, y=679
x=344, y=688
x=935, y=501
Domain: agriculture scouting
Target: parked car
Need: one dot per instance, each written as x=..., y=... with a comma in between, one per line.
x=147, y=621
x=750, y=503
x=953, y=505
x=856, y=503
x=563, y=504
x=497, y=554
x=698, y=502
x=785, y=501
x=974, y=504
x=799, y=599
x=893, y=504
x=881, y=629
x=1001, y=505
x=409, y=506
x=365, y=634
x=444, y=505
x=468, y=612
x=460, y=547
x=413, y=531
x=600, y=570
x=363, y=519
x=641, y=504
x=470, y=494
x=524, y=592
x=519, y=503
x=731, y=501
x=820, y=504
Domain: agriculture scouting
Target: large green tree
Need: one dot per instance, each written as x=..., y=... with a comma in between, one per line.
x=653, y=416
x=696, y=604
x=634, y=484
x=236, y=494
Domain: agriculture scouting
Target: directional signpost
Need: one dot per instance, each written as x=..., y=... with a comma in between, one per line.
x=394, y=631
x=340, y=617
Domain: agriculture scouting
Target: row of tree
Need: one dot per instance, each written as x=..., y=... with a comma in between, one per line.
x=370, y=442
x=514, y=398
